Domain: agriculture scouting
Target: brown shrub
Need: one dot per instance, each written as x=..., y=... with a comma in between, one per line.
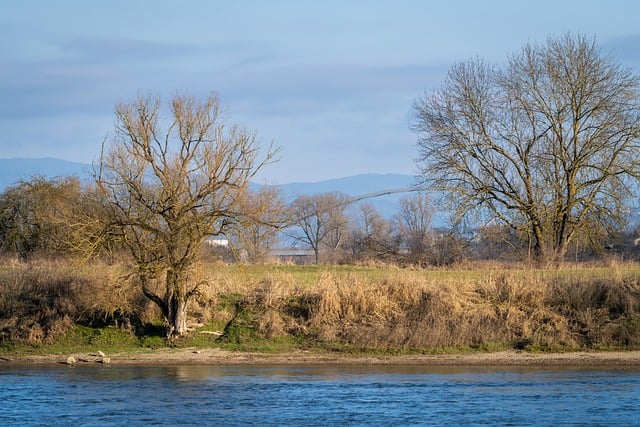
x=42, y=300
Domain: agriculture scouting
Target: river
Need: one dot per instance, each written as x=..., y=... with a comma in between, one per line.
x=317, y=396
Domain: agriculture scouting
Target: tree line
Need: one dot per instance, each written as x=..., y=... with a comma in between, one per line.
x=60, y=217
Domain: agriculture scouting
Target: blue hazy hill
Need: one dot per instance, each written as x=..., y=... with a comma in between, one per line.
x=13, y=171
x=354, y=185
x=359, y=185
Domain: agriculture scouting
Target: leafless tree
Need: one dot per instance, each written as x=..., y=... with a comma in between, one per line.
x=256, y=236
x=169, y=180
x=413, y=225
x=321, y=221
x=547, y=144
x=371, y=234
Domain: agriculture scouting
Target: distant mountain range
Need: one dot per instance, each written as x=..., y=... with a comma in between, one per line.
x=14, y=170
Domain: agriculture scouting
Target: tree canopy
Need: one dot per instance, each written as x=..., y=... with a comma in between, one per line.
x=168, y=183
x=547, y=144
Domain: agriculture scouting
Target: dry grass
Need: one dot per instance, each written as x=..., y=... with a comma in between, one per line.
x=403, y=309
x=379, y=308
x=40, y=301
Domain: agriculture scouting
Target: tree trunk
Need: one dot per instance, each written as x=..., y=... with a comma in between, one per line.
x=176, y=303
x=173, y=305
x=176, y=317
x=559, y=254
x=549, y=255
x=547, y=252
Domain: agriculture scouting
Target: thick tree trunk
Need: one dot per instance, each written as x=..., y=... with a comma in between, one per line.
x=547, y=251
x=176, y=303
x=176, y=317
x=548, y=255
x=173, y=305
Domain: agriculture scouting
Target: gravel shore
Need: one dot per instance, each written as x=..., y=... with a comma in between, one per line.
x=192, y=356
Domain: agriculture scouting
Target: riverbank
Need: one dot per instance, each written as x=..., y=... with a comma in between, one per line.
x=322, y=313
x=370, y=308
x=214, y=356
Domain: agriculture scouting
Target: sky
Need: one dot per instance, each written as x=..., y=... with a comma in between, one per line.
x=330, y=82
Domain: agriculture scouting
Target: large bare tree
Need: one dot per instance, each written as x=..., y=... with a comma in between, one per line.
x=171, y=178
x=547, y=144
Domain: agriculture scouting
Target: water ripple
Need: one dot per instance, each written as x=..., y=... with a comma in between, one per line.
x=317, y=396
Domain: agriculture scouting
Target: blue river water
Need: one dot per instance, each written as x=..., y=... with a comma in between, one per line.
x=317, y=396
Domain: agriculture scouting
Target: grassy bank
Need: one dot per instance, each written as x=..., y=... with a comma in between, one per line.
x=60, y=307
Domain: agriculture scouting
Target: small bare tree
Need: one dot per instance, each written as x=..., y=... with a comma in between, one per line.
x=321, y=221
x=412, y=224
x=167, y=190
x=548, y=145
x=258, y=233
x=371, y=235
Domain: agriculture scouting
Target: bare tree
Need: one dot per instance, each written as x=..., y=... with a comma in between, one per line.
x=413, y=225
x=547, y=145
x=371, y=234
x=321, y=221
x=258, y=233
x=166, y=191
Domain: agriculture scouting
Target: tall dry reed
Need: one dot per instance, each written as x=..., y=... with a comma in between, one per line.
x=364, y=307
x=411, y=310
x=42, y=300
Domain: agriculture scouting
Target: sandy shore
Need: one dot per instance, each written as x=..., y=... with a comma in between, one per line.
x=173, y=357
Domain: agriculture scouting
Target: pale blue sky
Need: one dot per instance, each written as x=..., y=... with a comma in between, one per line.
x=331, y=82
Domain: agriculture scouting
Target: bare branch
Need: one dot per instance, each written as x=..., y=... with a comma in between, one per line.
x=166, y=193
x=537, y=144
